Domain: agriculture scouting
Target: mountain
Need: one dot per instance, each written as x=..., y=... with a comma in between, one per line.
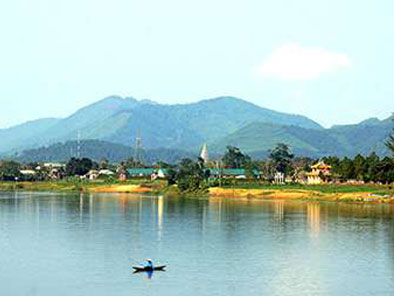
x=346, y=140
x=98, y=150
x=119, y=120
x=219, y=122
x=19, y=135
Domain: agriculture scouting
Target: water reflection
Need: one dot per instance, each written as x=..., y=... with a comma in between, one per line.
x=85, y=240
x=279, y=210
x=160, y=207
x=313, y=216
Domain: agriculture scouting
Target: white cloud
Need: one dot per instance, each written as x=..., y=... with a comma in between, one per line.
x=293, y=61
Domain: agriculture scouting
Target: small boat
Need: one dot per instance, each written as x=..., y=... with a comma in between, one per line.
x=147, y=268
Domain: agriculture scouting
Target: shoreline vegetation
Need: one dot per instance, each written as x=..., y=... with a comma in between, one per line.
x=325, y=192
x=234, y=175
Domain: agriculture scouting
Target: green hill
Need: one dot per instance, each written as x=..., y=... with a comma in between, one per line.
x=346, y=140
x=220, y=122
x=98, y=150
x=117, y=120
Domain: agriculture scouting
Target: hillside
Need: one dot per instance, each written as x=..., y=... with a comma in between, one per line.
x=219, y=122
x=19, y=135
x=117, y=120
x=98, y=150
x=346, y=140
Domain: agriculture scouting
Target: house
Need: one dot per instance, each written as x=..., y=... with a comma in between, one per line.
x=140, y=172
x=54, y=165
x=28, y=172
x=55, y=174
x=92, y=175
x=105, y=172
x=122, y=176
x=320, y=172
x=27, y=175
x=162, y=173
x=227, y=173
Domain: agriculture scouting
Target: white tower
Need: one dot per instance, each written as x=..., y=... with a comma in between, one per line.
x=204, y=153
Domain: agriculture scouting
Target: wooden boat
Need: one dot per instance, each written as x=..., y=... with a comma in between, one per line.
x=146, y=268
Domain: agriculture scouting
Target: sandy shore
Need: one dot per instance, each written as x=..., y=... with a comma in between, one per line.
x=122, y=189
x=295, y=194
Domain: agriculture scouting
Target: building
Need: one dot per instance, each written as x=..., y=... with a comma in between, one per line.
x=161, y=173
x=92, y=175
x=319, y=174
x=140, y=172
x=204, y=153
x=279, y=178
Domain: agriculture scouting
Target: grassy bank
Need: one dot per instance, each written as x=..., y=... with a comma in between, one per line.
x=327, y=192
x=137, y=186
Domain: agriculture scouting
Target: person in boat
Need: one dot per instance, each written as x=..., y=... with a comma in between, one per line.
x=148, y=264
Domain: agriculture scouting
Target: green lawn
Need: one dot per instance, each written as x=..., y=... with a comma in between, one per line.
x=65, y=185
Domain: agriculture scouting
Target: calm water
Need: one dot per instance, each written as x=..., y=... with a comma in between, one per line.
x=85, y=245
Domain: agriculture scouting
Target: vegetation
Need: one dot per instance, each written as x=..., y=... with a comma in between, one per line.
x=78, y=167
x=171, y=126
x=366, y=169
x=97, y=150
x=221, y=122
x=324, y=188
x=9, y=170
x=234, y=158
x=281, y=158
x=190, y=176
x=367, y=173
x=258, y=137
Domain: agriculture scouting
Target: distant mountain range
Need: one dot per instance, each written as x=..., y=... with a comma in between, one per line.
x=219, y=122
x=346, y=140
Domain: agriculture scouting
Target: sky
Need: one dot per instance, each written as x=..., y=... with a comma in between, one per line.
x=329, y=60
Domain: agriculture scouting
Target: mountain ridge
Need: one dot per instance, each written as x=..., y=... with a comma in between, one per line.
x=219, y=121
x=117, y=120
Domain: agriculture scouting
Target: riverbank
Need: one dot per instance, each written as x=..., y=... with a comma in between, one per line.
x=128, y=187
x=346, y=193
x=333, y=192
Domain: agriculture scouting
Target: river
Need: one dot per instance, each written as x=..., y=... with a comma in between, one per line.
x=71, y=244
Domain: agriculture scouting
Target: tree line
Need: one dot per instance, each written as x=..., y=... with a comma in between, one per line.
x=192, y=175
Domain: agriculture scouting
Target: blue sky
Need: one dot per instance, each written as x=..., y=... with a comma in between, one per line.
x=329, y=60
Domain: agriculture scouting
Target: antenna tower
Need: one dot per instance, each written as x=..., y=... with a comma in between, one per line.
x=79, y=145
x=138, y=148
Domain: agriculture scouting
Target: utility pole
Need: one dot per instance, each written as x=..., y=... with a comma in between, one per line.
x=79, y=145
x=138, y=147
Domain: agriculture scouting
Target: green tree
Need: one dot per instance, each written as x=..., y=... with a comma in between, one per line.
x=78, y=167
x=346, y=169
x=282, y=158
x=385, y=171
x=252, y=169
x=334, y=162
x=360, y=167
x=372, y=167
x=9, y=170
x=190, y=175
x=234, y=158
x=267, y=170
